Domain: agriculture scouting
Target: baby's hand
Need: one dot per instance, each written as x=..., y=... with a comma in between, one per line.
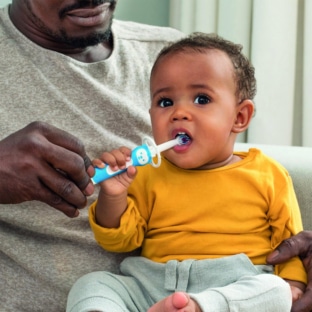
x=296, y=293
x=116, y=160
x=297, y=289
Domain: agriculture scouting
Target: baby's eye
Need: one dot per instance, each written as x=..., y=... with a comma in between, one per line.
x=202, y=99
x=165, y=102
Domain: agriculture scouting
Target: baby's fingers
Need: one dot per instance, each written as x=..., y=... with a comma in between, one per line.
x=126, y=151
x=116, y=159
x=98, y=163
x=131, y=172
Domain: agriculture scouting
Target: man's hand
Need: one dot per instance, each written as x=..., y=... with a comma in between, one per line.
x=298, y=245
x=41, y=162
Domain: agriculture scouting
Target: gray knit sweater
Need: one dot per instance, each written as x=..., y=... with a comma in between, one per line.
x=106, y=105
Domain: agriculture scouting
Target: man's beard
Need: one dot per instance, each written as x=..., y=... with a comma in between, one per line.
x=76, y=41
x=83, y=42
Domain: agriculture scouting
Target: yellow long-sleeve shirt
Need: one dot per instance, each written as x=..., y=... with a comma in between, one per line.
x=246, y=207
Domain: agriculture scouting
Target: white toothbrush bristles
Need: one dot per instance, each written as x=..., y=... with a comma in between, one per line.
x=183, y=139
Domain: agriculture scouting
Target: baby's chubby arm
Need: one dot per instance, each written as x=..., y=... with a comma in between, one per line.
x=297, y=289
x=112, y=200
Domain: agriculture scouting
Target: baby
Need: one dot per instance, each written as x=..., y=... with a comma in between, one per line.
x=206, y=219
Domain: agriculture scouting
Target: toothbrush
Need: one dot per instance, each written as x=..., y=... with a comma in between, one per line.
x=140, y=156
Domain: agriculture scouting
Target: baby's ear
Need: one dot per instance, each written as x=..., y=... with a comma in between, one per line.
x=244, y=115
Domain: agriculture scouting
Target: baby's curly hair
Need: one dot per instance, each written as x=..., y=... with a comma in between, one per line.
x=244, y=72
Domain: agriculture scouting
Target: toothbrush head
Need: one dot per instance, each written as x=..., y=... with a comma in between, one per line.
x=183, y=138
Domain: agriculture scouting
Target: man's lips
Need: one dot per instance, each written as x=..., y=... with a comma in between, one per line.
x=88, y=12
x=89, y=16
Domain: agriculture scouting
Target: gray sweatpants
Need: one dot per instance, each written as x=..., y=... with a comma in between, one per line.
x=226, y=284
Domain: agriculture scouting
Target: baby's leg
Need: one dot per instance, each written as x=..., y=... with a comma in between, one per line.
x=104, y=291
x=177, y=302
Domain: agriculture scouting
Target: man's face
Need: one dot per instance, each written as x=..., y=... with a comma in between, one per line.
x=77, y=23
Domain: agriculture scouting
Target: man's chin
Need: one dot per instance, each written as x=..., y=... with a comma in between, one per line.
x=91, y=40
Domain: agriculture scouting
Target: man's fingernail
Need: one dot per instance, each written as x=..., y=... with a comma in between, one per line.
x=89, y=189
x=274, y=254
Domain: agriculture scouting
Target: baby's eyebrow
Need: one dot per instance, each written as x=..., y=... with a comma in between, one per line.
x=161, y=90
x=201, y=86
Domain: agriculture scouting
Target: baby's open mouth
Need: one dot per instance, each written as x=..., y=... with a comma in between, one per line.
x=184, y=138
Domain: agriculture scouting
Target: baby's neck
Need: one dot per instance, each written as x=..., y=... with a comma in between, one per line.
x=228, y=161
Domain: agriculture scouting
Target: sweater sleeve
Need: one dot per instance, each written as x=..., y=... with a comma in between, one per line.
x=127, y=237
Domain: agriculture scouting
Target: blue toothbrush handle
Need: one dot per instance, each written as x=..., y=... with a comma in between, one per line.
x=140, y=156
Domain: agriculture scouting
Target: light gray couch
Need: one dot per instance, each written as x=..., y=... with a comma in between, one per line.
x=298, y=162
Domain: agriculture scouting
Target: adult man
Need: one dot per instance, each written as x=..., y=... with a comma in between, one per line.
x=60, y=63
x=66, y=63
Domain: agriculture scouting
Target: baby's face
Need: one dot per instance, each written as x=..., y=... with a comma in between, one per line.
x=194, y=93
